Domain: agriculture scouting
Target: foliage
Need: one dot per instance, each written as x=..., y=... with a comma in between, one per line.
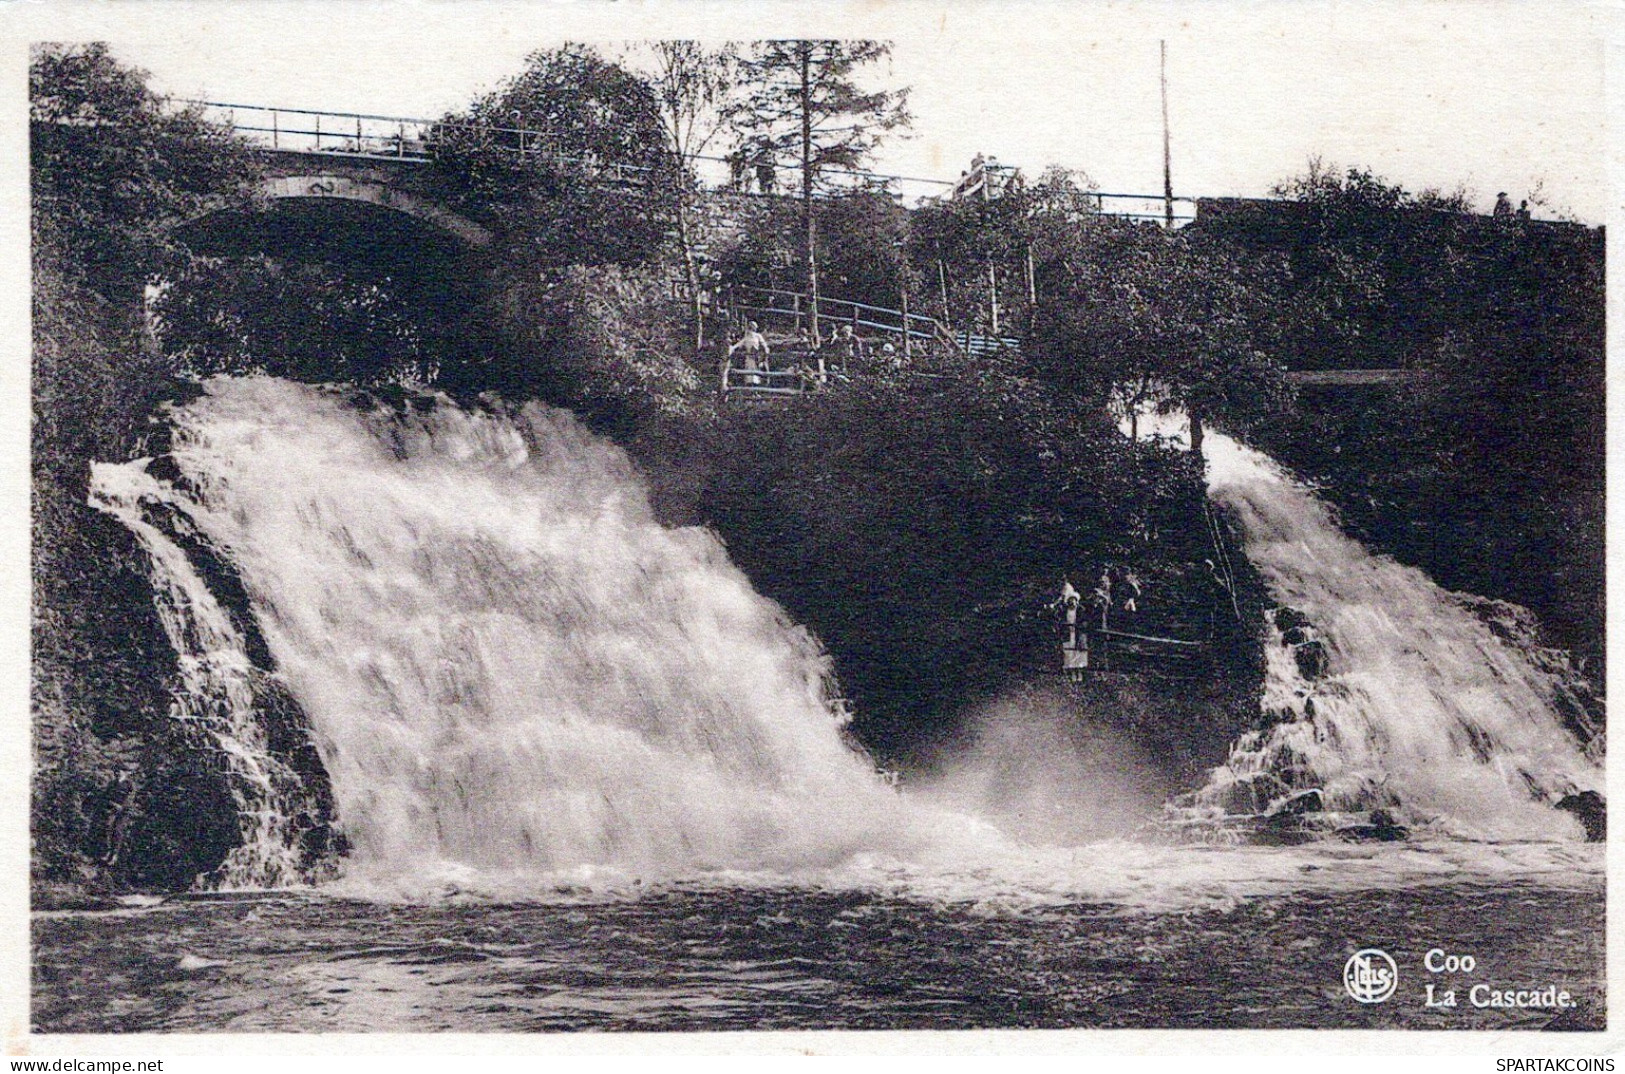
x=115, y=169
x=862, y=247
x=862, y=242
x=567, y=159
x=313, y=322
x=920, y=525
x=1131, y=311
x=606, y=341
x=692, y=84
x=799, y=100
x=959, y=242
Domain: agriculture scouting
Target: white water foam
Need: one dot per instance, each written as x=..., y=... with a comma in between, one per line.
x=1422, y=707
x=521, y=684
x=508, y=664
x=216, y=693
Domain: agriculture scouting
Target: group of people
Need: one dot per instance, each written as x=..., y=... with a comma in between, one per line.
x=1503, y=207
x=1118, y=588
x=842, y=353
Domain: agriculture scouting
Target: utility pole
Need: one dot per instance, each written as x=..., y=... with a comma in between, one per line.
x=808, y=223
x=1167, y=162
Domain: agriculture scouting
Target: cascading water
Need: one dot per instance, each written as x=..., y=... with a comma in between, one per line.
x=1387, y=691
x=219, y=692
x=508, y=665
x=517, y=678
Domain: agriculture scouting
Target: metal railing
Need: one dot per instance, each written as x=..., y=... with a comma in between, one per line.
x=415, y=139
x=396, y=138
x=770, y=382
x=768, y=303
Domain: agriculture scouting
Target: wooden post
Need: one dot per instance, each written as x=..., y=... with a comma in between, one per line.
x=993, y=297
x=907, y=335
x=274, y=126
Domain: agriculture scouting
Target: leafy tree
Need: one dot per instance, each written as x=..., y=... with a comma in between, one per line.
x=115, y=168
x=692, y=84
x=800, y=100
x=311, y=322
x=567, y=159
x=975, y=245
x=1134, y=312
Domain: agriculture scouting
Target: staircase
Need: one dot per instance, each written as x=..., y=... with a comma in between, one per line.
x=785, y=318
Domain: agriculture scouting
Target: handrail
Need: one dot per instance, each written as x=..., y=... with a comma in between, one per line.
x=532, y=136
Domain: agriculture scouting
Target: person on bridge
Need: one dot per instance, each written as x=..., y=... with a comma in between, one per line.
x=753, y=346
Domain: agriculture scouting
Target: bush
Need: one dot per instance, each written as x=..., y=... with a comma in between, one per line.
x=921, y=525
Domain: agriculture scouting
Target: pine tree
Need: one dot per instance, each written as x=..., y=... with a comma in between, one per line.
x=800, y=101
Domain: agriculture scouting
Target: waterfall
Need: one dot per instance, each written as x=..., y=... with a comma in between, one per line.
x=1385, y=691
x=221, y=693
x=508, y=665
x=512, y=671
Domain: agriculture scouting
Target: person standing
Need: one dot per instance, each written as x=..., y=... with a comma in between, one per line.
x=753, y=346
x=1503, y=204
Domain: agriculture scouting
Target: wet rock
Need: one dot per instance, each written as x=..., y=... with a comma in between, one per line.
x=1289, y=618
x=1592, y=811
x=1312, y=658
x=1298, y=635
x=1380, y=828
x=1296, y=805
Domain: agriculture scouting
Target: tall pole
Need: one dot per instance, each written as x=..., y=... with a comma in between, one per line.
x=809, y=226
x=1167, y=161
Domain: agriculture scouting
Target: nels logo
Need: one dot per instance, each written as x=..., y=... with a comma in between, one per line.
x=1370, y=976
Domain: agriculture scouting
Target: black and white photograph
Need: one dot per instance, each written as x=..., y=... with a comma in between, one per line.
x=729, y=519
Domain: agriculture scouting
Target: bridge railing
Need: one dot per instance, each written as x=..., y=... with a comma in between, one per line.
x=409, y=138
x=401, y=138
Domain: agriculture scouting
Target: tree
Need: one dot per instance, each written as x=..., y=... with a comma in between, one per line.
x=979, y=242
x=1135, y=311
x=692, y=84
x=566, y=159
x=800, y=100
x=115, y=168
x=312, y=322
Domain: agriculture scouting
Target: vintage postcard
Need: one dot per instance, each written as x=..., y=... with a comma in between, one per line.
x=692, y=524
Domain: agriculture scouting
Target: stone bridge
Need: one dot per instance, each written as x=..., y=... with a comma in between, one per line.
x=373, y=212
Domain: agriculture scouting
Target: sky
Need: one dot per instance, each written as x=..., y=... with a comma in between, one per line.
x=1492, y=96
x=1497, y=96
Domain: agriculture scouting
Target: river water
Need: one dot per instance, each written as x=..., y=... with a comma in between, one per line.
x=811, y=958
x=590, y=779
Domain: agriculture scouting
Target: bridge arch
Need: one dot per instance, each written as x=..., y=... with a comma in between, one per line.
x=373, y=192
